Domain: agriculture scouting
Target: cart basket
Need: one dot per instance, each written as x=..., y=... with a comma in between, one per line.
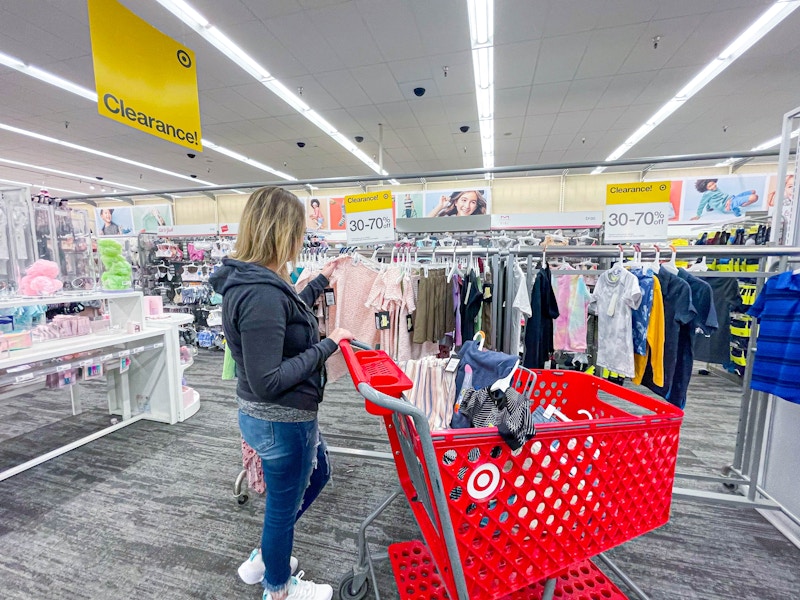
x=496, y=520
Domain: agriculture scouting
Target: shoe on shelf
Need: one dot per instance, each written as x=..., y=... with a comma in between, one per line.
x=301, y=589
x=251, y=571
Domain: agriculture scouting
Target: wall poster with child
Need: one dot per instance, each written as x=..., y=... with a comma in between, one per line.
x=717, y=199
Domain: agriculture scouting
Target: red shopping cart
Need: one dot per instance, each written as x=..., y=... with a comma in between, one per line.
x=520, y=524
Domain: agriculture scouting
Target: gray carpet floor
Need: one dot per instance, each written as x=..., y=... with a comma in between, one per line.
x=149, y=512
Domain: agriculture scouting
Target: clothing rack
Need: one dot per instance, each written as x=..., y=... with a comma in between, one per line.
x=745, y=469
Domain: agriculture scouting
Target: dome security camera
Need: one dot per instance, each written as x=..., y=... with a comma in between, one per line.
x=190, y=155
x=419, y=91
x=301, y=144
x=464, y=128
x=359, y=138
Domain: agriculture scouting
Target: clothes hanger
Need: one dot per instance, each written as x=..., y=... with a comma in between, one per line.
x=700, y=266
x=454, y=268
x=619, y=265
x=503, y=384
x=670, y=266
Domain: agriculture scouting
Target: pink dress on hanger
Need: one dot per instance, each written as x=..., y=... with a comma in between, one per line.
x=352, y=285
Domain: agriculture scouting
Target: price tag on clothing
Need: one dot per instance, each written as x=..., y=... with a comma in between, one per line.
x=452, y=364
x=124, y=364
x=370, y=217
x=637, y=212
x=382, y=320
x=487, y=292
x=409, y=323
x=330, y=297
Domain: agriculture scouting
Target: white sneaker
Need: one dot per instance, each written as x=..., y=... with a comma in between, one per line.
x=251, y=571
x=300, y=589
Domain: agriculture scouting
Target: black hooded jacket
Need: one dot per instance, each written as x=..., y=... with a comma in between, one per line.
x=273, y=335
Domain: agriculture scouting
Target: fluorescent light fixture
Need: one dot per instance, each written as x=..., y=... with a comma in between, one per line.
x=52, y=140
x=88, y=178
x=38, y=73
x=765, y=146
x=481, y=32
x=42, y=187
x=240, y=157
x=750, y=36
x=192, y=18
x=57, y=81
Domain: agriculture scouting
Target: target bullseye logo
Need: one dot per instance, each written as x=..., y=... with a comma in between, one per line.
x=484, y=481
x=184, y=58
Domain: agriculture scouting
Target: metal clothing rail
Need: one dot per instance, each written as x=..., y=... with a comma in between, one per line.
x=456, y=173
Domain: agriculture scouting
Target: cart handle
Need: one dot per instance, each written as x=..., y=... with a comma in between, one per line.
x=350, y=358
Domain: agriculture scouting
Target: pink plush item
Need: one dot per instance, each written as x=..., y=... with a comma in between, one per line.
x=41, y=279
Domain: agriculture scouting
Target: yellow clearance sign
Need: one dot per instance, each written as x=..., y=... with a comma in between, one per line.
x=369, y=201
x=144, y=78
x=637, y=193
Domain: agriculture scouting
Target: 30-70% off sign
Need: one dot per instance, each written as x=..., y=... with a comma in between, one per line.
x=370, y=218
x=637, y=212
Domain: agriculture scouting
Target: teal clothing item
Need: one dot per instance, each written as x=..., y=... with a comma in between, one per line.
x=712, y=200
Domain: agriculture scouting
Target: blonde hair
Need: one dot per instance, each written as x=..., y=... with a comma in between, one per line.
x=271, y=229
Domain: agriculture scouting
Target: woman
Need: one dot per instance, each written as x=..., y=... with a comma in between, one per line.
x=109, y=227
x=316, y=217
x=460, y=204
x=273, y=337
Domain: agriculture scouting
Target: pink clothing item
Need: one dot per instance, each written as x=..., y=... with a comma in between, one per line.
x=251, y=462
x=352, y=284
x=570, y=328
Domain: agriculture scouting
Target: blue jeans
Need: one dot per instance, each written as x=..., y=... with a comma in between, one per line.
x=296, y=468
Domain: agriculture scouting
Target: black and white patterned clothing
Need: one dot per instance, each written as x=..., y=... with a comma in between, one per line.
x=510, y=412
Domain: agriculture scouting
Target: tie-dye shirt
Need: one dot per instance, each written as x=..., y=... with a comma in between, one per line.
x=572, y=297
x=641, y=316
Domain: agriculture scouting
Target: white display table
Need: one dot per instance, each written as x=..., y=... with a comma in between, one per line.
x=149, y=388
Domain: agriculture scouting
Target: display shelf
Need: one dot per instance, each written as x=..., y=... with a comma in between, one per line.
x=173, y=319
x=72, y=345
x=66, y=298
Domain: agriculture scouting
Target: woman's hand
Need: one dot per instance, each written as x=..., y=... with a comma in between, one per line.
x=340, y=334
x=330, y=267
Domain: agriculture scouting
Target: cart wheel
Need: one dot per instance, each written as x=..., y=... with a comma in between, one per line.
x=345, y=589
x=242, y=499
x=726, y=472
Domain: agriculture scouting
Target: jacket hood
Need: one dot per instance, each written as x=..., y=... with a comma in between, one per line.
x=235, y=272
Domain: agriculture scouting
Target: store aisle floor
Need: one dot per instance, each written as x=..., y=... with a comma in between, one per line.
x=148, y=512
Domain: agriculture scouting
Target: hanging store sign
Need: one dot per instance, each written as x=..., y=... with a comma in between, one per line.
x=370, y=217
x=577, y=219
x=637, y=212
x=200, y=229
x=144, y=79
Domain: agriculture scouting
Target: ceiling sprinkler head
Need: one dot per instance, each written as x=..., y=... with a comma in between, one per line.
x=656, y=39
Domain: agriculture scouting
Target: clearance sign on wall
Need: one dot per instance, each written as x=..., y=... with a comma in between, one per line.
x=144, y=78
